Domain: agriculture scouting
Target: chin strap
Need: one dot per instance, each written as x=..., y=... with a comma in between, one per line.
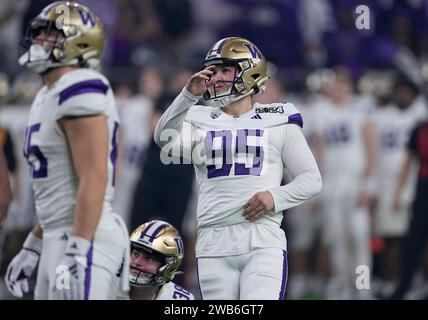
x=39, y=61
x=223, y=102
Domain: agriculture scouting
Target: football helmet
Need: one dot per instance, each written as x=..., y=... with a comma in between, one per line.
x=250, y=74
x=376, y=83
x=319, y=79
x=75, y=36
x=161, y=239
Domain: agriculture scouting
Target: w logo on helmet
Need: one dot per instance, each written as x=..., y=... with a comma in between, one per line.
x=255, y=52
x=86, y=17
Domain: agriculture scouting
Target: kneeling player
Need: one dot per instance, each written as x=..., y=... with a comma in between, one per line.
x=156, y=255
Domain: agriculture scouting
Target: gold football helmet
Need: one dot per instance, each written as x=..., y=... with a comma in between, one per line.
x=74, y=33
x=250, y=64
x=160, y=239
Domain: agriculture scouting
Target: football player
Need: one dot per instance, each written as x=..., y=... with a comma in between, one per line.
x=394, y=123
x=156, y=254
x=135, y=135
x=240, y=151
x=71, y=146
x=349, y=147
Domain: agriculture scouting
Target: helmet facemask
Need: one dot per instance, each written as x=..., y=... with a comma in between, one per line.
x=140, y=277
x=235, y=92
x=37, y=52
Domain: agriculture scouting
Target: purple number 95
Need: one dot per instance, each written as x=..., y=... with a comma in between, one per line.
x=228, y=157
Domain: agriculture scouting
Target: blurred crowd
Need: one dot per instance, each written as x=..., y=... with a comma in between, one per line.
x=358, y=99
x=296, y=35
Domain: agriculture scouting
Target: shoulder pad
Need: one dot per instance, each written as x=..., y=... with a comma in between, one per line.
x=286, y=110
x=79, y=82
x=82, y=92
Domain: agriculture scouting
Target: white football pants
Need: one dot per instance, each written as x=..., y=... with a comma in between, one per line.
x=346, y=232
x=258, y=275
x=110, y=251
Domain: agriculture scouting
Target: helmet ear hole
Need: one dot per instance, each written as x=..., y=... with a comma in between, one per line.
x=82, y=45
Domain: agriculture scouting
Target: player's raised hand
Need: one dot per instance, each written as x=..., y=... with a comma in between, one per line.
x=258, y=205
x=201, y=81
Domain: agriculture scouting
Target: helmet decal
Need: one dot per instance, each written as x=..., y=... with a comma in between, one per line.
x=255, y=52
x=86, y=17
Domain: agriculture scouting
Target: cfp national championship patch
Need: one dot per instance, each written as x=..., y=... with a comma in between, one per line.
x=279, y=109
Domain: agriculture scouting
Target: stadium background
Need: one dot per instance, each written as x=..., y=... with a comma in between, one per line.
x=153, y=46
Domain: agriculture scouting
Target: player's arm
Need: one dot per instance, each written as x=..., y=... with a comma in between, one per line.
x=307, y=182
x=300, y=162
x=37, y=231
x=5, y=191
x=88, y=141
x=174, y=116
x=405, y=169
x=402, y=178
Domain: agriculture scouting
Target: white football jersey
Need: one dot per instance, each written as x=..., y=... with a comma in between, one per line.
x=342, y=130
x=236, y=157
x=242, y=156
x=172, y=291
x=168, y=291
x=82, y=92
x=393, y=129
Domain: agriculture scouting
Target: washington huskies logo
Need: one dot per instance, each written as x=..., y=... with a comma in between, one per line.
x=215, y=114
x=86, y=18
x=255, y=53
